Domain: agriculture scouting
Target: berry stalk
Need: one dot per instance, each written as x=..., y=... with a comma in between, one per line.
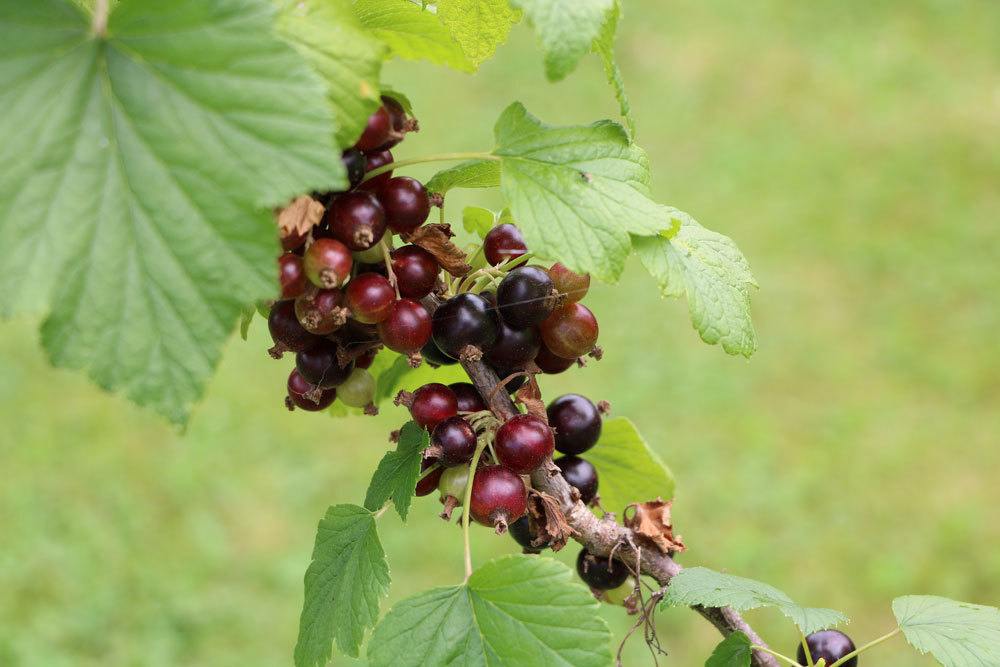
x=439, y=157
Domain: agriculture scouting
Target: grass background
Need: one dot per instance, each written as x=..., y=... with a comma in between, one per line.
x=853, y=151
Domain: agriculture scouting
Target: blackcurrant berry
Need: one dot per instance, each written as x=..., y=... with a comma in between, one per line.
x=549, y=363
x=498, y=497
x=366, y=359
x=516, y=375
x=514, y=348
x=580, y=474
x=599, y=573
x=293, y=241
x=577, y=423
x=370, y=297
x=429, y=482
x=503, y=242
x=320, y=366
x=831, y=645
x=292, y=276
x=298, y=389
x=328, y=263
x=376, y=131
x=523, y=443
x=374, y=161
x=433, y=355
x=321, y=311
x=524, y=533
x=525, y=297
x=464, y=320
x=407, y=328
x=405, y=202
x=354, y=163
x=456, y=439
x=358, y=390
x=287, y=332
x=572, y=286
x=356, y=219
x=469, y=399
x=416, y=271
x=570, y=331
x=432, y=404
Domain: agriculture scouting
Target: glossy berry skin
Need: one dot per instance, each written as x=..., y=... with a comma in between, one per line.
x=286, y=330
x=370, y=297
x=376, y=131
x=549, y=363
x=374, y=161
x=429, y=483
x=357, y=220
x=433, y=355
x=405, y=202
x=465, y=319
x=291, y=275
x=298, y=388
x=523, y=442
x=416, y=271
x=319, y=366
x=525, y=297
x=577, y=423
x=453, y=482
x=572, y=286
x=502, y=243
x=523, y=533
x=366, y=360
x=597, y=574
x=432, y=404
x=456, y=439
x=358, y=390
x=571, y=331
x=468, y=397
x=407, y=328
x=580, y=474
x=328, y=263
x=321, y=311
x=831, y=645
x=514, y=347
x=498, y=497
x=354, y=163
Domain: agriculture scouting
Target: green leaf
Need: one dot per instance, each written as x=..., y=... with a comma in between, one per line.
x=629, y=470
x=957, y=634
x=403, y=100
x=604, y=46
x=702, y=586
x=246, y=317
x=397, y=472
x=519, y=610
x=473, y=174
x=576, y=192
x=138, y=173
x=412, y=32
x=712, y=273
x=478, y=221
x=479, y=26
x=733, y=651
x=345, y=580
x=331, y=38
x=566, y=29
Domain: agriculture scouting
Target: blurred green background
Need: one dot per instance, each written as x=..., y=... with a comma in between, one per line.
x=852, y=149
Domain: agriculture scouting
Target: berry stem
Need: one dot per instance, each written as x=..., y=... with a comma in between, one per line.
x=872, y=644
x=439, y=157
x=388, y=267
x=805, y=649
x=467, y=501
x=783, y=658
x=100, y=22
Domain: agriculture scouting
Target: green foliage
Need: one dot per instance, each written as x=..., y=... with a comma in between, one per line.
x=957, y=634
x=629, y=470
x=733, y=651
x=604, y=46
x=397, y=472
x=566, y=30
x=711, y=272
x=124, y=207
x=479, y=26
x=472, y=174
x=343, y=585
x=700, y=585
x=517, y=610
x=412, y=32
x=478, y=221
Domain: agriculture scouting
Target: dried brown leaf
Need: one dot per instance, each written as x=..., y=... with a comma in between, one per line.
x=300, y=216
x=531, y=397
x=651, y=523
x=435, y=238
x=549, y=523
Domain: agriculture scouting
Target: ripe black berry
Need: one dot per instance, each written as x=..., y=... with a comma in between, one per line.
x=429, y=482
x=416, y=271
x=831, y=645
x=433, y=355
x=550, y=363
x=354, y=162
x=374, y=161
x=523, y=442
x=599, y=573
x=456, y=439
x=464, y=320
x=570, y=331
x=577, y=423
x=320, y=366
x=498, y=497
x=524, y=533
x=357, y=220
x=580, y=474
x=286, y=330
x=468, y=397
x=407, y=328
x=432, y=404
x=298, y=389
x=525, y=297
x=503, y=242
x=405, y=202
x=328, y=263
x=514, y=348
x=291, y=275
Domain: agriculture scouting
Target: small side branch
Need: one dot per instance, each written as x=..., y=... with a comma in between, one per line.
x=100, y=22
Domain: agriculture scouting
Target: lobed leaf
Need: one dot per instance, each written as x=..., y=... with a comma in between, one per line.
x=479, y=26
x=566, y=30
x=629, y=470
x=604, y=46
x=733, y=651
x=477, y=220
x=472, y=174
x=957, y=634
x=397, y=472
x=412, y=32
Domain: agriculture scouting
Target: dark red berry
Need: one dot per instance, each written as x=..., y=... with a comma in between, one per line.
x=514, y=348
x=354, y=163
x=286, y=330
x=328, y=263
x=432, y=404
x=502, y=243
x=405, y=202
x=580, y=474
x=577, y=423
x=572, y=286
x=293, y=241
x=292, y=276
x=304, y=395
x=550, y=363
x=429, y=482
x=831, y=645
x=498, y=497
x=525, y=297
x=523, y=443
x=320, y=366
x=456, y=439
x=433, y=355
x=599, y=573
x=357, y=220
x=468, y=396
x=416, y=271
x=397, y=120
x=407, y=328
x=370, y=297
x=465, y=320
x=321, y=311
x=570, y=331
x=376, y=131
x=374, y=161
x=366, y=359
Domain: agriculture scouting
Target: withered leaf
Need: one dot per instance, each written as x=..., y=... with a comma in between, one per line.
x=651, y=523
x=299, y=216
x=435, y=238
x=531, y=397
x=548, y=520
